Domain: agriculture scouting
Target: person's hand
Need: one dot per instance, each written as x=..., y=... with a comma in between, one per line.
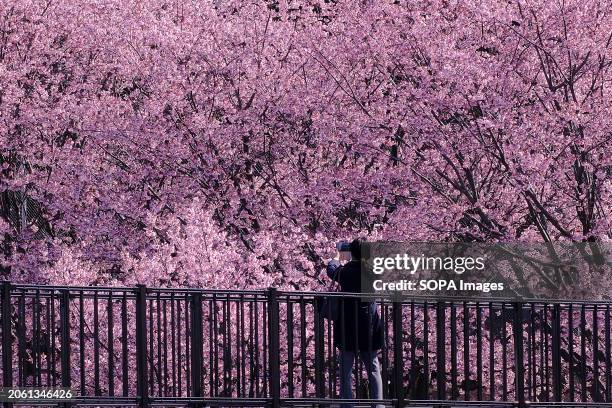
x=344, y=256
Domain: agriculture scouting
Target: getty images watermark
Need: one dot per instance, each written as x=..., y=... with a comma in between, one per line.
x=512, y=270
x=417, y=265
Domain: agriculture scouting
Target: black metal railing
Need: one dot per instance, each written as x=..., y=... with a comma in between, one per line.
x=156, y=346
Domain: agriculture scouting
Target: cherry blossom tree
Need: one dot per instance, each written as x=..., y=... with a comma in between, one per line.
x=294, y=124
x=191, y=143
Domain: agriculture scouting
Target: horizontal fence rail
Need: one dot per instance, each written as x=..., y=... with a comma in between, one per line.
x=176, y=347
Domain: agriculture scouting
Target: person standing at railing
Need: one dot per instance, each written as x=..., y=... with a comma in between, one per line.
x=358, y=330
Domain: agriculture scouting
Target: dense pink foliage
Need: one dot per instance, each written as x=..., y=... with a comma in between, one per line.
x=165, y=141
x=231, y=143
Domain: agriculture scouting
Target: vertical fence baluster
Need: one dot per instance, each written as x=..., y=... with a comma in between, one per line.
x=158, y=370
x=531, y=353
x=179, y=358
x=556, y=351
x=111, y=345
x=570, y=331
x=453, y=345
x=466, y=350
x=413, y=358
x=96, y=343
x=504, y=354
x=608, y=357
x=426, y=349
x=7, y=339
x=51, y=380
x=398, y=359
x=196, y=347
x=479, y=382
x=166, y=378
x=173, y=327
x=354, y=338
x=256, y=337
x=36, y=357
x=517, y=331
x=253, y=385
x=265, y=332
x=141, y=346
x=239, y=360
x=65, y=338
x=384, y=318
x=82, y=343
x=274, y=347
x=290, y=347
x=544, y=325
x=124, y=345
x=303, y=344
x=319, y=347
x=187, y=353
x=583, y=357
x=595, y=352
x=224, y=342
x=329, y=357
x=21, y=333
x=216, y=345
x=150, y=357
x=242, y=347
x=491, y=353
x=441, y=350
x=211, y=358
x=227, y=347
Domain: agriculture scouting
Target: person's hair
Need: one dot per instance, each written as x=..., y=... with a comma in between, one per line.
x=355, y=248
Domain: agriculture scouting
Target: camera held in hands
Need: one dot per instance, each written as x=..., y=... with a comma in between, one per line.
x=343, y=246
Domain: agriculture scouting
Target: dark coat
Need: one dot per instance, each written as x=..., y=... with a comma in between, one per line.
x=359, y=326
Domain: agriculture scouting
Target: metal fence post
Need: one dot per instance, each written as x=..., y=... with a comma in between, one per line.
x=441, y=350
x=141, y=345
x=319, y=346
x=596, y=389
x=517, y=330
x=608, y=359
x=274, y=347
x=398, y=360
x=556, y=351
x=196, y=347
x=65, y=338
x=7, y=339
